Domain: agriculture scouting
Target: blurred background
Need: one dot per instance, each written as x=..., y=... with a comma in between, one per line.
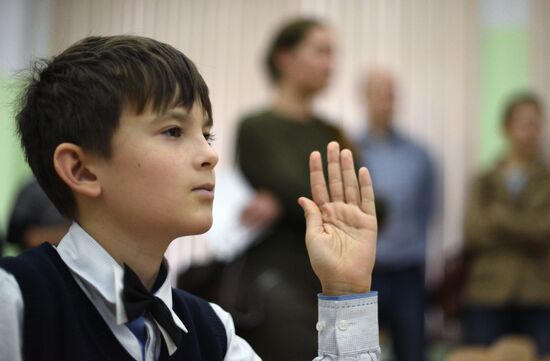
x=455, y=65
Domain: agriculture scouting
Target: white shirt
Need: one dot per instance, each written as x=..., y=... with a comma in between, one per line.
x=347, y=327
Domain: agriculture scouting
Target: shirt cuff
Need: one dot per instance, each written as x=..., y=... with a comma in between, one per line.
x=348, y=325
x=347, y=297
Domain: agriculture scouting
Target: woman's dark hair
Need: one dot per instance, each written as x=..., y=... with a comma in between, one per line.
x=290, y=35
x=517, y=100
x=79, y=95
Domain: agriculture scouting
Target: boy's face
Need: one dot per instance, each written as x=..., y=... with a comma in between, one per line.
x=159, y=180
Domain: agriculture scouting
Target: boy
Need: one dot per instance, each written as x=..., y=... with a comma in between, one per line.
x=117, y=132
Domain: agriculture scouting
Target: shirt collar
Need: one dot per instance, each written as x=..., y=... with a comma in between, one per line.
x=102, y=276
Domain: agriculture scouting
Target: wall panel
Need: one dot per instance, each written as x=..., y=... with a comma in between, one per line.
x=429, y=44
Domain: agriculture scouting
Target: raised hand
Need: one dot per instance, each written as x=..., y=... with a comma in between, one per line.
x=341, y=223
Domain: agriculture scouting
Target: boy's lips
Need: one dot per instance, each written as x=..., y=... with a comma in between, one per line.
x=206, y=190
x=205, y=187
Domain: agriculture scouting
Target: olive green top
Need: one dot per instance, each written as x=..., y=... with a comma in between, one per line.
x=273, y=154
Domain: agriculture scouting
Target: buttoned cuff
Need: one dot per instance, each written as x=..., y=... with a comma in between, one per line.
x=348, y=324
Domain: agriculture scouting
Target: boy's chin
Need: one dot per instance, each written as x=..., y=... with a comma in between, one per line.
x=199, y=227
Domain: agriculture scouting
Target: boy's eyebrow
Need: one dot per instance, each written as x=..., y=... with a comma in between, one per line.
x=177, y=114
x=181, y=116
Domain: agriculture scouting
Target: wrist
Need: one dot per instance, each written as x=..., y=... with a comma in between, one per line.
x=342, y=289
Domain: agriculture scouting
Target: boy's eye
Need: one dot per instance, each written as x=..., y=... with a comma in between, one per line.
x=210, y=138
x=173, y=132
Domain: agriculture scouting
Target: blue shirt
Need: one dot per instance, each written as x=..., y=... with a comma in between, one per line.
x=403, y=180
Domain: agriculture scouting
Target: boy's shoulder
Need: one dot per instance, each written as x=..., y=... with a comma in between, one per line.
x=44, y=291
x=10, y=295
x=39, y=273
x=32, y=262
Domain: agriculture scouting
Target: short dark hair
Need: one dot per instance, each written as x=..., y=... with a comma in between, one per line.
x=290, y=35
x=525, y=97
x=79, y=95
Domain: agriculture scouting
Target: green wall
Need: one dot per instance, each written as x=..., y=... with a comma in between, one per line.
x=503, y=68
x=504, y=71
x=13, y=169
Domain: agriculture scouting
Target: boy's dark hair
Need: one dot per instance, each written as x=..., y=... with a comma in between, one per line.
x=79, y=95
x=290, y=35
x=516, y=100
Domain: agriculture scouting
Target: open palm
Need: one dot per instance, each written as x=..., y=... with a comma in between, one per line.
x=341, y=223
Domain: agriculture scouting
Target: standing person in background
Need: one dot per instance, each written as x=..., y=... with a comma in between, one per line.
x=403, y=175
x=507, y=237
x=272, y=151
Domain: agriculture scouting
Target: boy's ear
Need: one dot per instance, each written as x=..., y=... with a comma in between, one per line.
x=71, y=164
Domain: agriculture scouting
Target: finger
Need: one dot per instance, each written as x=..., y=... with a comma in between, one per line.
x=334, y=172
x=367, y=192
x=319, y=190
x=314, y=221
x=351, y=186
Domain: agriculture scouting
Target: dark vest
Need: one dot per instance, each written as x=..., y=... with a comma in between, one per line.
x=60, y=322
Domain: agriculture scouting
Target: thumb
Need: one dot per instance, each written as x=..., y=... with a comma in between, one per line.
x=314, y=220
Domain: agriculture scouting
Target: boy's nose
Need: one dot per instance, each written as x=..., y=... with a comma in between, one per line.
x=209, y=157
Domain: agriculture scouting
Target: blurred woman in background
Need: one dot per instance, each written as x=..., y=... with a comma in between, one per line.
x=273, y=147
x=507, y=237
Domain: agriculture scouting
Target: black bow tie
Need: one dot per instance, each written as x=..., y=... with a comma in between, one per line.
x=138, y=301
